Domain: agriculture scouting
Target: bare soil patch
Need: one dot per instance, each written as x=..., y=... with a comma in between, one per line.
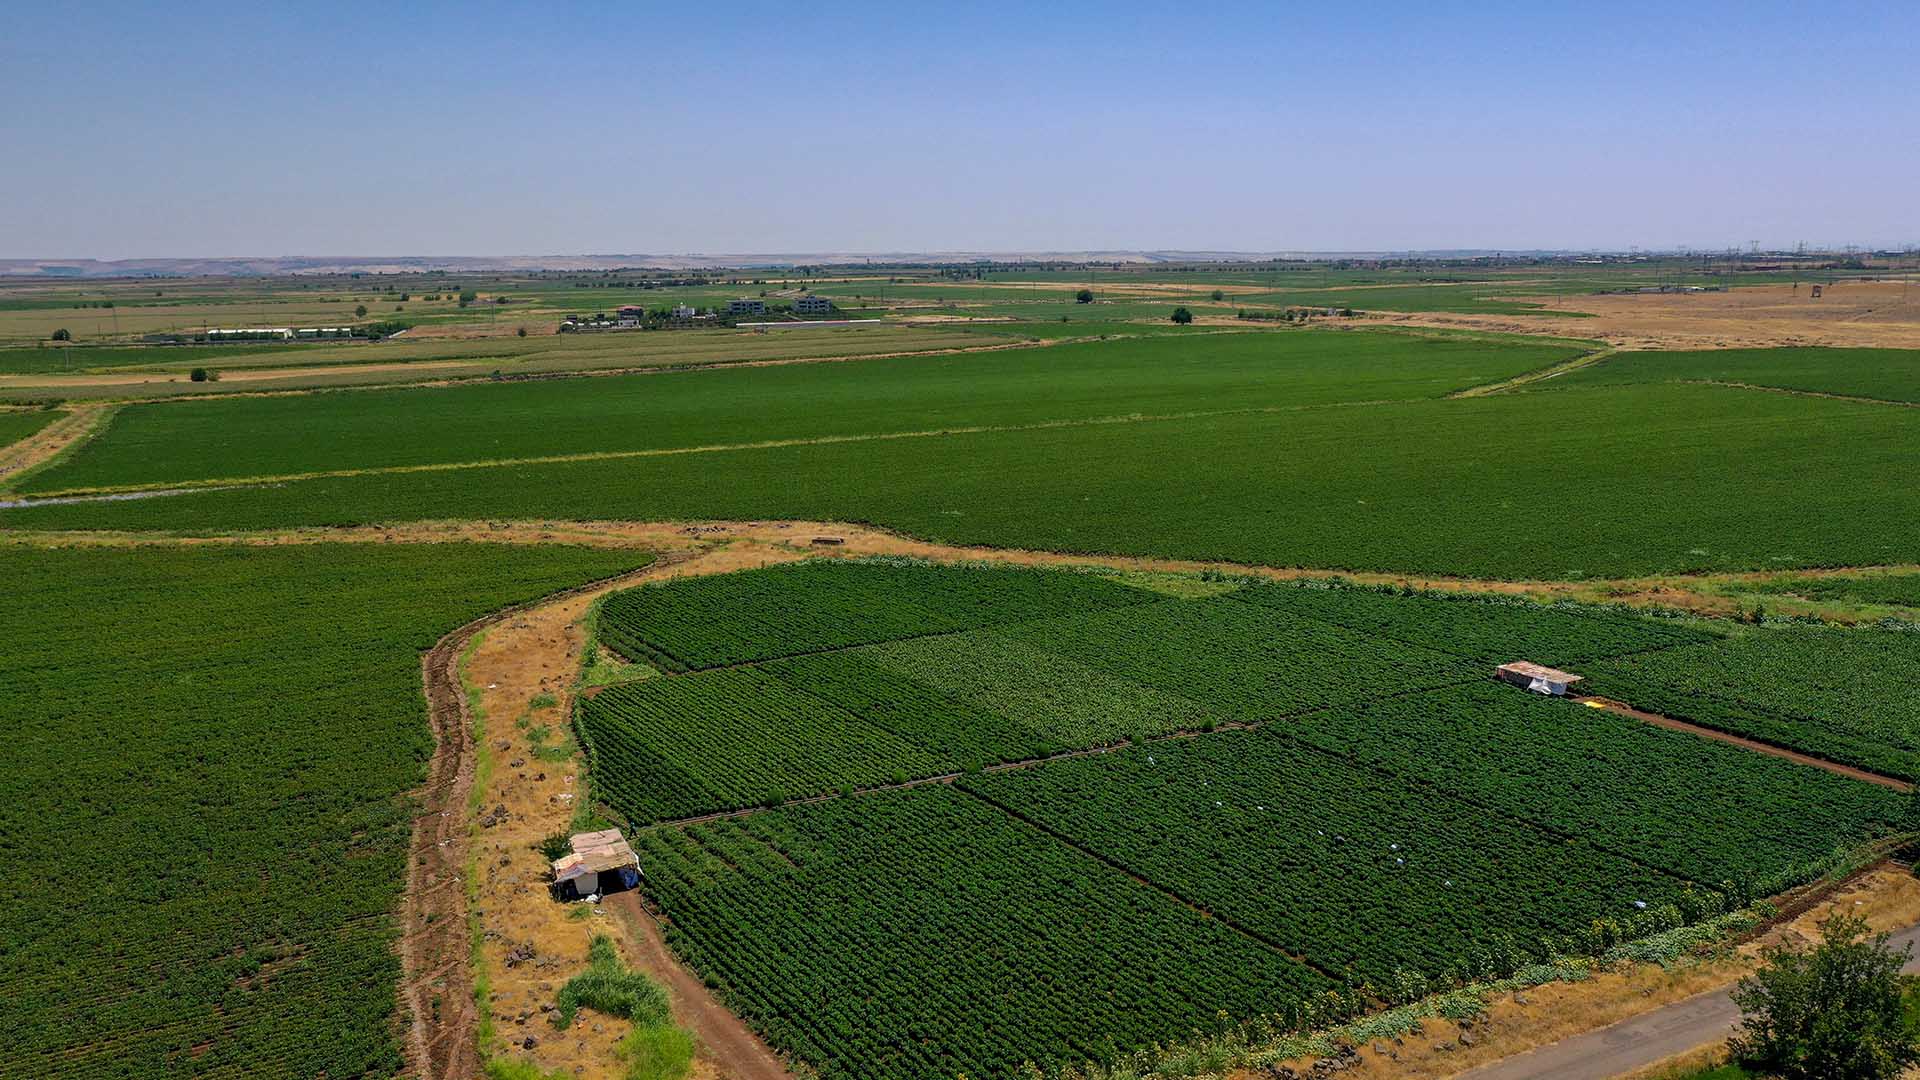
x=1860, y=314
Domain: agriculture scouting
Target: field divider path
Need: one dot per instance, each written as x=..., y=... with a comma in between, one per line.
x=229, y=482
x=1757, y=746
x=51, y=444
x=438, y=1011
x=1586, y=359
x=1828, y=395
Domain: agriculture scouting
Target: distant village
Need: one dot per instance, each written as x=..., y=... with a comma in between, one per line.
x=808, y=310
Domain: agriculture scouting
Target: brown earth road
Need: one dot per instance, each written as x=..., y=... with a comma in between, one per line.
x=735, y=1051
x=436, y=986
x=1755, y=745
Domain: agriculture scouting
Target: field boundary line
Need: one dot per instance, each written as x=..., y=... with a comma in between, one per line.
x=1167, y=891
x=1586, y=359
x=1759, y=746
x=1828, y=395
x=500, y=375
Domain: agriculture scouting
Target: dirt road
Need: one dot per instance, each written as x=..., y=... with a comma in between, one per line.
x=1643, y=1040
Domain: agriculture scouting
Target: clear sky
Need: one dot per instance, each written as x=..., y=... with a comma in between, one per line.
x=163, y=129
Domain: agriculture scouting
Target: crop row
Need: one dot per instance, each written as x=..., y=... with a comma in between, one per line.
x=924, y=933
x=214, y=785
x=1364, y=874
x=1488, y=629
x=685, y=745
x=1242, y=661
x=1846, y=695
x=828, y=604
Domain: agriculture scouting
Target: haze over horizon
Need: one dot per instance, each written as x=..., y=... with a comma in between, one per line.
x=482, y=130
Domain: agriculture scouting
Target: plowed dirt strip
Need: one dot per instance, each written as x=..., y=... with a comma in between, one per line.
x=43, y=446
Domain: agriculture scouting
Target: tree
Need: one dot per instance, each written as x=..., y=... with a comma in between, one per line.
x=521, y=332
x=1182, y=316
x=62, y=335
x=360, y=311
x=1837, y=1010
x=199, y=374
x=1084, y=296
x=1218, y=295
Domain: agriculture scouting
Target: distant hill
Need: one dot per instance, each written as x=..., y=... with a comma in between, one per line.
x=402, y=264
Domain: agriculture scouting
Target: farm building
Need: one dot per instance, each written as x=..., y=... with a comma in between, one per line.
x=252, y=333
x=1536, y=677
x=746, y=307
x=631, y=316
x=812, y=305
x=600, y=863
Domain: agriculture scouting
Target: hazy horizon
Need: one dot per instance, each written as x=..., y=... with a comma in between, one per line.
x=481, y=130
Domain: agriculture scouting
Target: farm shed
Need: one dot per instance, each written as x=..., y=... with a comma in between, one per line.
x=600, y=863
x=1536, y=677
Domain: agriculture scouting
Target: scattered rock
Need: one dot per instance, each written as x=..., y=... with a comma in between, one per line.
x=520, y=954
x=1466, y=1039
x=503, y=744
x=1380, y=1048
x=516, y=763
x=529, y=1043
x=1444, y=1047
x=1521, y=999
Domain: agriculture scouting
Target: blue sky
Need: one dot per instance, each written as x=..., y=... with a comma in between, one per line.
x=211, y=130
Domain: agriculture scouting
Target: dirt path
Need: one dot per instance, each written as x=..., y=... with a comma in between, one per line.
x=726, y=1043
x=1755, y=745
x=28, y=455
x=1586, y=359
x=530, y=781
x=1642, y=1040
x=480, y=370
x=436, y=987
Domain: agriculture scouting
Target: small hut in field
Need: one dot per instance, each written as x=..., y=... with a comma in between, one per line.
x=600, y=863
x=1536, y=677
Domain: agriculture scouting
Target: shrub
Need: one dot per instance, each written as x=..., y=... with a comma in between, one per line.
x=1182, y=316
x=608, y=987
x=199, y=374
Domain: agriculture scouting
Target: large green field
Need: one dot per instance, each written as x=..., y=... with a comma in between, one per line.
x=173, y=442
x=1598, y=482
x=1886, y=374
x=1327, y=773
x=203, y=811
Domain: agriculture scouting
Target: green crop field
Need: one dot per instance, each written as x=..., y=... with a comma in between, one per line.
x=213, y=746
x=1843, y=695
x=172, y=442
x=1327, y=772
x=15, y=426
x=1885, y=374
x=1658, y=479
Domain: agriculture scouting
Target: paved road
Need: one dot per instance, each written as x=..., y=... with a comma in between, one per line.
x=1640, y=1040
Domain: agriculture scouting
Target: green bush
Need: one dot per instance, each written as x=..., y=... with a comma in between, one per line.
x=608, y=987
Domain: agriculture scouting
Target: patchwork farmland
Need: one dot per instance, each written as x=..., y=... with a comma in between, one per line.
x=981, y=694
